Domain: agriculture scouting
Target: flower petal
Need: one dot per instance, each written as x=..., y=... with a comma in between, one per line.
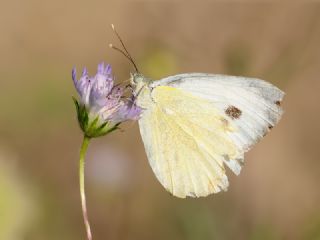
x=127, y=111
x=108, y=69
x=74, y=74
x=101, y=68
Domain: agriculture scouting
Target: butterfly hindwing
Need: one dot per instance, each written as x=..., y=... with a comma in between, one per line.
x=187, y=142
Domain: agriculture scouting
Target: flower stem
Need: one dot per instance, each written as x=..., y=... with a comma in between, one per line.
x=83, y=151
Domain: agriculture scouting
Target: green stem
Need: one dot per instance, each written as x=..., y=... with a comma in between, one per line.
x=83, y=151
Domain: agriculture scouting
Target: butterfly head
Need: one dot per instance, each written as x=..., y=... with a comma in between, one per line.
x=137, y=79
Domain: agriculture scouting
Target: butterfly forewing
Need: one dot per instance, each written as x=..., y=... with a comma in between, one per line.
x=252, y=104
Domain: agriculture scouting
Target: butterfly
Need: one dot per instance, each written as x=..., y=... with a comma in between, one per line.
x=195, y=125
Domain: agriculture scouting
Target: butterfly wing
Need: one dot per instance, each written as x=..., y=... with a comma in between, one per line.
x=191, y=131
x=256, y=102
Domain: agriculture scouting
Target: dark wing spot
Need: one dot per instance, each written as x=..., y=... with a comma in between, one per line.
x=268, y=130
x=233, y=112
x=278, y=103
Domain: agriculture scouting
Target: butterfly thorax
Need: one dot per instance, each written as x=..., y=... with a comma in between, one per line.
x=141, y=89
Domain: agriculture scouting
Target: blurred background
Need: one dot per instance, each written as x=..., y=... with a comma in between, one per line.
x=277, y=194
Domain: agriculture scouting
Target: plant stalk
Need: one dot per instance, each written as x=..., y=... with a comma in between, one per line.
x=83, y=151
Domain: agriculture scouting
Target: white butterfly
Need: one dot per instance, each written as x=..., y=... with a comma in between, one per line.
x=194, y=125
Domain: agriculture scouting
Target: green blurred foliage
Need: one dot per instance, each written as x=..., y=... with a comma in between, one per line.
x=17, y=204
x=264, y=232
x=238, y=60
x=312, y=228
x=158, y=62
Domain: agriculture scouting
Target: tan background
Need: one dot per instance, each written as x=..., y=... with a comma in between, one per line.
x=277, y=194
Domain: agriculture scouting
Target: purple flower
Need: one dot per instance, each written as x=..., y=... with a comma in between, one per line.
x=127, y=111
x=103, y=105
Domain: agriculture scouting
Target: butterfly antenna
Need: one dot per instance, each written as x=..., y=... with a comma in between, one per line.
x=119, y=50
x=125, y=52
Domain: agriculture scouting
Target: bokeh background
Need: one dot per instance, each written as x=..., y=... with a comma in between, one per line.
x=276, y=196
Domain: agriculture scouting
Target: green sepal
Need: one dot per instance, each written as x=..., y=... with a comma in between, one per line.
x=82, y=114
x=92, y=125
x=105, y=129
x=92, y=128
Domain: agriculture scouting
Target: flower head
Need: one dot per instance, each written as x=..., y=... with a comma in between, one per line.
x=103, y=105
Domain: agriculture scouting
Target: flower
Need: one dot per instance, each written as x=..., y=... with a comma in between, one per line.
x=103, y=105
